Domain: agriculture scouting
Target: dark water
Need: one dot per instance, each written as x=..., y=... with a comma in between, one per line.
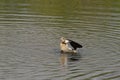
x=30, y=32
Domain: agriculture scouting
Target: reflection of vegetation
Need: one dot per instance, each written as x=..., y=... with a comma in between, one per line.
x=67, y=7
x=60, y=7
x=11, y=3
x=8, y=6
x=55, y=7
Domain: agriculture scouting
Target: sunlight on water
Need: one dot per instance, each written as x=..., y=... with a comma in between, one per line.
x=30, y=33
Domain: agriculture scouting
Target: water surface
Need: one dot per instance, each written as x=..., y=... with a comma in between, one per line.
x=30, y=33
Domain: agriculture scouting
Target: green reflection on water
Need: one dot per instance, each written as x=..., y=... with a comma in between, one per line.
x=65, y=7
x=62, y=7
x=56, y=7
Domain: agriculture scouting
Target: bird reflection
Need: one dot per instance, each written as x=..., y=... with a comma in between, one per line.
x=68, y=57
x=64, y=59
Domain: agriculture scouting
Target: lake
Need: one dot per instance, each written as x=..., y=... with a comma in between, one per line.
x=30, y=32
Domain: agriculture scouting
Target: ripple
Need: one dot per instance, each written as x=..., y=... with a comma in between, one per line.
x=29, y=41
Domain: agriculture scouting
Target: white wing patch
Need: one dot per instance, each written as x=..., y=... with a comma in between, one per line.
x=69, y=46
x=66, y=41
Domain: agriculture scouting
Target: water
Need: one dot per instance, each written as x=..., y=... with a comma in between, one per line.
x=29, y=39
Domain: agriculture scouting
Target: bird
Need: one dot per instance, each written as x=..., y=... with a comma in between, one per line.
x=69, y=46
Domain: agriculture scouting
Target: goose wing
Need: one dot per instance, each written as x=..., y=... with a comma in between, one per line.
x=69, y=46
x=75, y=45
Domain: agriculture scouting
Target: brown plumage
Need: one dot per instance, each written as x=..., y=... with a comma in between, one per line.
x=67, y=45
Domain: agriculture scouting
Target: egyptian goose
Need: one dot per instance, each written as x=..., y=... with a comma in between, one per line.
x=69, y=46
